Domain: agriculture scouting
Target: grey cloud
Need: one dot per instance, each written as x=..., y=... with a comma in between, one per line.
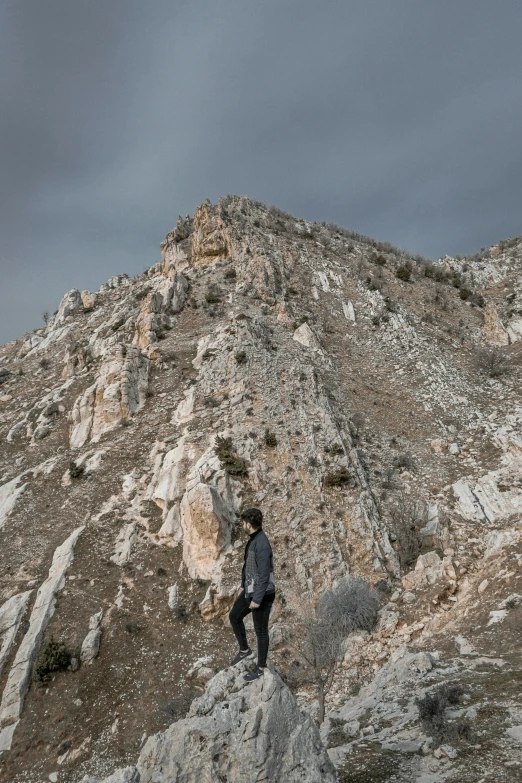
x=400, y=120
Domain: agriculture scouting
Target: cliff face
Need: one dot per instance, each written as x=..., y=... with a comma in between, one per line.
x=336, y=383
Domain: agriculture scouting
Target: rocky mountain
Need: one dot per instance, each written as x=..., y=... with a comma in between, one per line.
x=368, y=401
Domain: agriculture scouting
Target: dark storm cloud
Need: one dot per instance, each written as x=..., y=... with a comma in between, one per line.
x=398, y=119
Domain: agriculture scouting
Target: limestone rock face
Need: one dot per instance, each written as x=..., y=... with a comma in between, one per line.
x=494, y=332
x=70, y=304
x=11, y=613
x=237, y=732
x=209, y=239
x=158, y=307
x=206, y=521
x=77, y=357
x=117, y=394
x=20, y=674
x=88, y=299
x=429, y=569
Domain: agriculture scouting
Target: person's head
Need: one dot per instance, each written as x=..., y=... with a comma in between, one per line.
x=252, y=519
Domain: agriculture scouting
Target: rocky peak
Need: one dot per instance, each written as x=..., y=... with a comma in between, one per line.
x=365, y=398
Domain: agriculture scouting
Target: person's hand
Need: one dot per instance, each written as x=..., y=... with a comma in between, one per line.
x=253, y=605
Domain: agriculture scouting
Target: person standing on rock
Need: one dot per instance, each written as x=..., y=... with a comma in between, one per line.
x=257, y=594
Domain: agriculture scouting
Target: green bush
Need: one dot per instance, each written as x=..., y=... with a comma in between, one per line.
x=53, y=657
x=230, y=461
x=75, y=471
x=492, y=360
x=403, y=272
x=338, y=478
x=433, y=717
x=212, y=298
x=241, y=357
x=270, y=438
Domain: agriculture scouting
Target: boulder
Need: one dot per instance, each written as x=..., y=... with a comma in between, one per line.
x=206, y=520
x=494, y=332
x=235, y=732
x=91, y=643
x=304, y=335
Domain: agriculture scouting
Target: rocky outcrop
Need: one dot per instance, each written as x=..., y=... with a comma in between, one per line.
x=20, y=674
x=494, y=331
x=9, y=494
x=11, y=613
x=70, y=304
x=429, y=570
x=158, y=307
x=88, y=300
x=124, y=544
x=206, y=520
x=114, y=398
x=209, y=240
x=77, y=357
x=91, y=643
x=236, y=732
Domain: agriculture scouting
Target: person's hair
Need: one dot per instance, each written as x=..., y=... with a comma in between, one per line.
x=254, y=517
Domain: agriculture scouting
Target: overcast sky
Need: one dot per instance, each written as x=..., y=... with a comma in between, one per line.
x=401, y=119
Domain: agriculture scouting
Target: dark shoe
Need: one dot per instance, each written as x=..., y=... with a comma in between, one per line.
x=241, y=657
x=254, y=674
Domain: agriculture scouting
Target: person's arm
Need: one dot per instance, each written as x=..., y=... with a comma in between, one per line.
x=263, y=553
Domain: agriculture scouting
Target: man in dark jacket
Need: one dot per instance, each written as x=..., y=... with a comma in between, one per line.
x=257, y=594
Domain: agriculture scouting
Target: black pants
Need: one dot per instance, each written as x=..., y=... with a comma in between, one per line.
x=260, y=617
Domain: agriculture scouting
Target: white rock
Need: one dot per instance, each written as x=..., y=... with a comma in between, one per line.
x=304, y=335
x=91, y=643
x=265, y=708
x=173, y=597
x=9, y=494
x=349, y=312
x=464, y=646
x=515, y=732
x=124, y=543
x=11, y=613
x=20, y=674
x=119, y=392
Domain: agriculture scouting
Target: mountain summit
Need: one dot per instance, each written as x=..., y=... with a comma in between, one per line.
x=368, y=401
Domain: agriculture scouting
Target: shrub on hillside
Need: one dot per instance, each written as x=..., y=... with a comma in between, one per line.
x=404, y=460
x=270, y=438
x=338, y=478
x=433, y=716
x=75, y=471
x=351, y=606
x=403, y=272
x=53, y=657
x=493, y=361
x=230, y=461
